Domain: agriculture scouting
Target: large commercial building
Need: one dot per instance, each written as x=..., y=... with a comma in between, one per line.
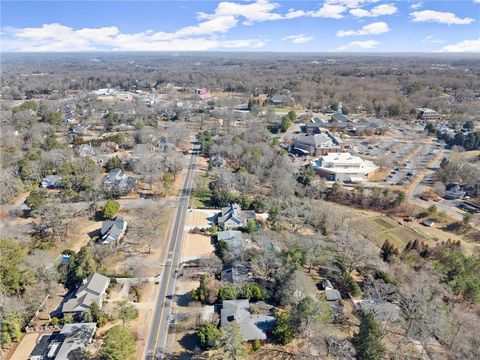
x=344, y=167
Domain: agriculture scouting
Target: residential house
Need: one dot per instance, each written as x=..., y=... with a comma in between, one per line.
x=327, y=285
x=52, y=182
x=92, y=290
x=117, y=180
x=343, y=167
x=80, y=129
x=233, y=217
x=252, y=326
x=281, y=100
x=453, y=191
x=202, y=93
x=85, y=150
x=217, y=161
x=108, y=147
x=65, y=344
x=332, y=295
x=339, y=118
x=317, y=144
x=233, y=239
x=105, y=92
x=428, y=114
x=163, y=144
x=113, y=230
x=237, y=272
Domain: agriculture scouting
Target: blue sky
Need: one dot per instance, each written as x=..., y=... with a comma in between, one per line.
x=238, y=25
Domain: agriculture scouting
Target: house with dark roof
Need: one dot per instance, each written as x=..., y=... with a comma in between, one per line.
x=281, y=100
x=113, y=230
x=237, y=272
x=317, y=144
x=68, y=343
x=252, y=326
x=233, y=217
x=92, y=290
x=340, y=118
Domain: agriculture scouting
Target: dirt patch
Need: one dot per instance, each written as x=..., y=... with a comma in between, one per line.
x=196, y=246
x=199, y=218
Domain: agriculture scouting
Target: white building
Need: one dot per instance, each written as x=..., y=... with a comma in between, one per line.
x=343, y=167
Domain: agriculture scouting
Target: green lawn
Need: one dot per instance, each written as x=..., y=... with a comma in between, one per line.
x=202, y=200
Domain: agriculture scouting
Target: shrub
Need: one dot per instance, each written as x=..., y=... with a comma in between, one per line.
x=110, y=209
x=208, y=335
x=227, y=292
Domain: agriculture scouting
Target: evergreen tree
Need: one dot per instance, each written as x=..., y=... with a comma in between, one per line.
x=388, y=251
x=231, y=345
x=283, y=331
x=367, y=341
x=209, y=336
x=119, y=344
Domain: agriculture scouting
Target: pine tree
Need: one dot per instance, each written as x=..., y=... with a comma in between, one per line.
x=231, y=345
x=388, y=251
x=367, y=341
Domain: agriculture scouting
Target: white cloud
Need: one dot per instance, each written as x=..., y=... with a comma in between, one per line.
x=431, y=40
x=417, y=5
x=59, y=38
x=464, y=46
x=368, y=44
x=370, y=29
x=439, y=17
x=298, y=39
x=333, y=11
x=380, y=10
x=258, y=11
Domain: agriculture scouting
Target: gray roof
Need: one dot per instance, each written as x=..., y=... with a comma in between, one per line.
x=114, y=176
x=229, y=234
x=58, y=345
x=77, y=336
x=80, y=128
x=117, y=178
x=237, y=272
x=235, y=215
x=113, y=230
x=51, y=181
x=339, y=117
x=281, y=99
x=252, y=326
x=85, y=150
x=325, y=140
x=332, y=295
x=91, y=291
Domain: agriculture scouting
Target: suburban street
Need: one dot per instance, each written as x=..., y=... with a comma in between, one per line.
x=157, y=336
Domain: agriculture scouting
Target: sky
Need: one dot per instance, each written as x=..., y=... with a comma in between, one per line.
x=238, y=25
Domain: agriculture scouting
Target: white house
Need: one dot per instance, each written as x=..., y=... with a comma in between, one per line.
x=343, y=167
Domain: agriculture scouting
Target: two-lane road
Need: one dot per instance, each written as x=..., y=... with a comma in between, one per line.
x=157, y=336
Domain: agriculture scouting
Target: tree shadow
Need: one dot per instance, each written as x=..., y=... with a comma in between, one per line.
x=184, y=299
x=454, y=227
x=94, y=233
x=190, y=343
